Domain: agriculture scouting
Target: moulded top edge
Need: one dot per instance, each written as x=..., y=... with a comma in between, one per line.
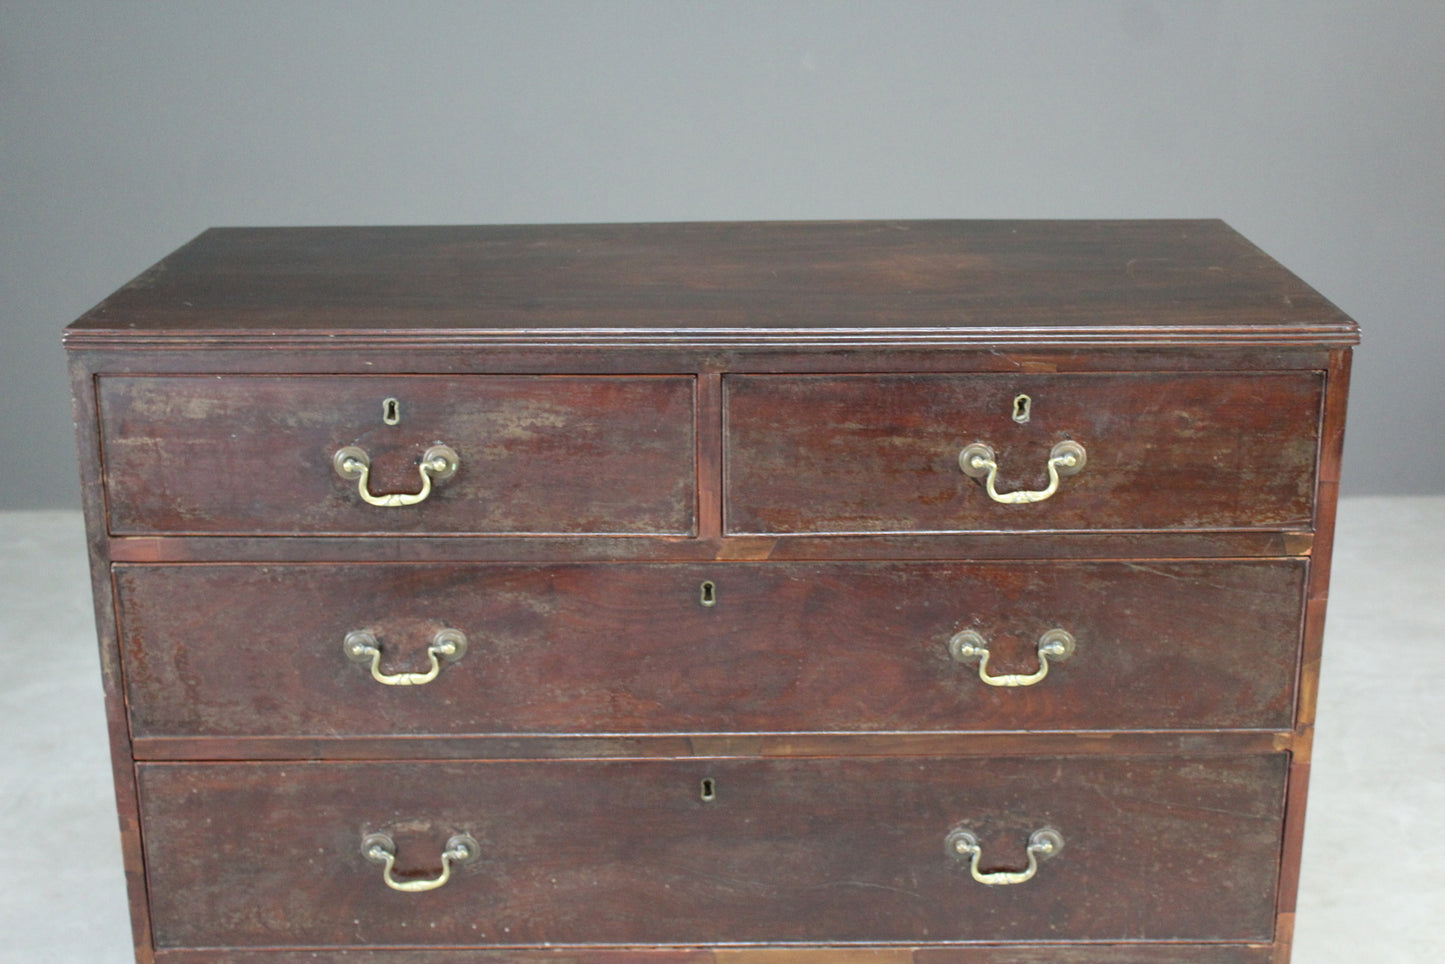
x=735, y=338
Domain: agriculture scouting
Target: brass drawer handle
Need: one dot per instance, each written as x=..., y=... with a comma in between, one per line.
x=381, y=849
x=361, y=646
x=979, y=462
x=439, y=462
x=1043, y=844
x=968, y=646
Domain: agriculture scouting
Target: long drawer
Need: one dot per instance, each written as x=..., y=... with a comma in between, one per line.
x=235, y=454
x=703, y=851
x=332, y=650
x=886, y=452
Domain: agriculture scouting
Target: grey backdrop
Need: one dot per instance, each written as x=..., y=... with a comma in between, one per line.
x=1316, y=129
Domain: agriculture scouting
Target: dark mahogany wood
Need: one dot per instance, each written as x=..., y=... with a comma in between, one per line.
x=1017, y=954
x=786, y=851
x=880, y=452
x=1331, y=452
x=631, y=649
x=1194, y=544
x=87, y=437
x=597, y=746
x=254, y=454
x=967, y=276
x=776, y=408
x=540, y=353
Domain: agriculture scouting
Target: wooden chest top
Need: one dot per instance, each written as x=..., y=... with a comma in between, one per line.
x=953, y=282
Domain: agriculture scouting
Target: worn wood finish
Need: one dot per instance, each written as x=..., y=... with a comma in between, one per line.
x=835, y=646
x=87, y=437
x=1331, y=452
x=565, y=549
x=1017, y=954
x=245, y=455
x=787, y=851
x=961, y=276
x=545, y=352
x=603, y=746
x=777, y=408
x=880, y=452
x=1084, y=954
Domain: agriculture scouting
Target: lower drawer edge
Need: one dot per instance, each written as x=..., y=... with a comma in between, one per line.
x=1134, y=953
x=726, y=854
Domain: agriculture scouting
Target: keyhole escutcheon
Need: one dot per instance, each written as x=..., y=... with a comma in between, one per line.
x=1022, y=405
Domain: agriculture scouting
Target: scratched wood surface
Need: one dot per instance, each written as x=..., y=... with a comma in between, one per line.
x=978, y=275
x=881, y=452
x=618, y=648
x=1172, y=953
x=640, y=408
x=607, y=852
x=537, y=454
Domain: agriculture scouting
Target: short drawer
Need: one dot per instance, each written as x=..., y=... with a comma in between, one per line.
x=705, y=851
x=879, y=453
x=278, y=650
x=533, y=454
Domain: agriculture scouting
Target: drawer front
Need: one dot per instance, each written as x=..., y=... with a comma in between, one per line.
x=630, y=852
x=631, y=648
x=258, y=454
x=870, y=453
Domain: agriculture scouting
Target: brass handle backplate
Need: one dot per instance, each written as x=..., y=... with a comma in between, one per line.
x=352, y=463
x=362, y=646
x=978, y=461
x=969, y=646
x=379, y=848
x=1044, y=843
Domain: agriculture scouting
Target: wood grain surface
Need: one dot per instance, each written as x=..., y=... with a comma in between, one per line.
x=773, y=408
x=991, y=278
x=628, y=852
x=1163, y=953
x=868, y=453
x=619, y=648
x=537, y=454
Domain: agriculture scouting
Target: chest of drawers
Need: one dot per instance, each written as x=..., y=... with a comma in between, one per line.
x=939, y=592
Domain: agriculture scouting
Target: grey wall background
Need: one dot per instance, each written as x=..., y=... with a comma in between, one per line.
x=1316, y=129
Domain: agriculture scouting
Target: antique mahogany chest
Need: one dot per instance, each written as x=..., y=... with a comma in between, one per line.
x=775, y=593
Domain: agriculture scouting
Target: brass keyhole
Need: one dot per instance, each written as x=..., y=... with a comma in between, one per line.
x=391, y=411
x=709, y=790
x=1022, y=404
x=707, y=596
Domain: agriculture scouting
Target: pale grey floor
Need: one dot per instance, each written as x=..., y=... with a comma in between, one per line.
x=1373, y=887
